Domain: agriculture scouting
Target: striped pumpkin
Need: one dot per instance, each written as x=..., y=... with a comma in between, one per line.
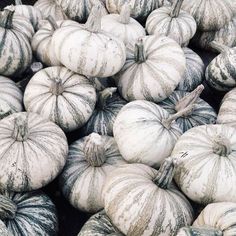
x=90, y=160
x=50, y=8
x=194, y=72
x=123, y=26
x=201, y=114
x=207, y=163
x=66, y=98
x=216, y=219
x=154, y=66
x=145, y=132
x=31, y=213
x=33, y=151
x=220, y=73
x=210, y=14
x=3, y=229
x=15, y=50
x=87, y=50
x=99, y=225
x=142, y=201
x=10, y=97
x=172, y=22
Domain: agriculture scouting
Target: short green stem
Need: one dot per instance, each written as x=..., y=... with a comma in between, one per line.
x=222, y=146
x=93, y=23
x=20, y=131
x=104, y=95
x=176, y=8
x=140, y=56
x=57, y=87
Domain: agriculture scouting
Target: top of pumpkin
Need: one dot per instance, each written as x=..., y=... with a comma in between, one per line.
x=140, y=56
x=222, y=146
x=7, y=208
x=20, y=132
x=57, y=87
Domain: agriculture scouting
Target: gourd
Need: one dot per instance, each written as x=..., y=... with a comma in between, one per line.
x=107, y=108
x=15, y=50
x=146, y=133
x=3, y=230
x=142, y=201
x=66, y=98
x=31, y=213
x=99, y=225
x=220, y=73
x=216, y=219
x=172, y=22
x=154, y=66
x=194, y=72
x=206, y=168
x=201, y=114
x=123, y=26
x=50, y=8
x=33, y=151
x=10, y=97
x=87, y=50
x=210, y=14
x=89, y=162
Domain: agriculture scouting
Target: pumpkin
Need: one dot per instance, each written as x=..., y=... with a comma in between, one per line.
x=146, y=133
x=87, y=50
x=66, y=98
x=194, y=72
x=99, y=225
x=108, y=106
x=33, y=151
x=90, y=160
x=10, y=97
x=31, y=213
x=3, y=229
x=50, y=8
x=210, y=14
x=154, y=66
x=201, y=114
x=220, y=73
x=207, y=164
x=15, y=50
x=142, y=201
x=216, y=219
x=123, y=26
x=172, y=22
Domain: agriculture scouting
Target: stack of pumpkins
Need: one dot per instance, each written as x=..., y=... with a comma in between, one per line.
x=149, y=144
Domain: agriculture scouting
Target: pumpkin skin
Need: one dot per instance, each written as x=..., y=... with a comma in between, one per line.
x=3, y=229
x=89, y=162
x=135, y=192
x=154, y=66
x=33, y=152
x=206, y=156
x=172, y=22
x=66, y=98
x=137, y=128
x=210, y=14
x=31, y=213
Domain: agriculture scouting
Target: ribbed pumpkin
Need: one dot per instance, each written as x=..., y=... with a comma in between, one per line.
x=210, y=14
x=3, y=229
x=15, y=50
x=201, y=114
x=108, y=106
x=221, y=73
x=50, y=8
x=10, y=97
x=172, y=22
x=66, y=98
x=154, y=66
x=142, y=201
x=99, y=225
x=123, y=26
x=31, y=213
x=33, y=151
x=89, y=162
x=87, y=50
x=216, y=219
x=207, y=163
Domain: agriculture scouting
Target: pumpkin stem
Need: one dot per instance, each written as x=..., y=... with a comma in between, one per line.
x=57, y=87
x=203, y=231
x=5, y=112
x=165, y=173
x=218, y=46
x=189, y=99
x=104, y=95
x=139, y=52
x=52, y=22
x=18, y=2
x=125, y=14
x=94, y=150
x=222, y=146
x=20, y=132
x=176, y=8
x=93, y=23
x=7, y=208
x=6, y=17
